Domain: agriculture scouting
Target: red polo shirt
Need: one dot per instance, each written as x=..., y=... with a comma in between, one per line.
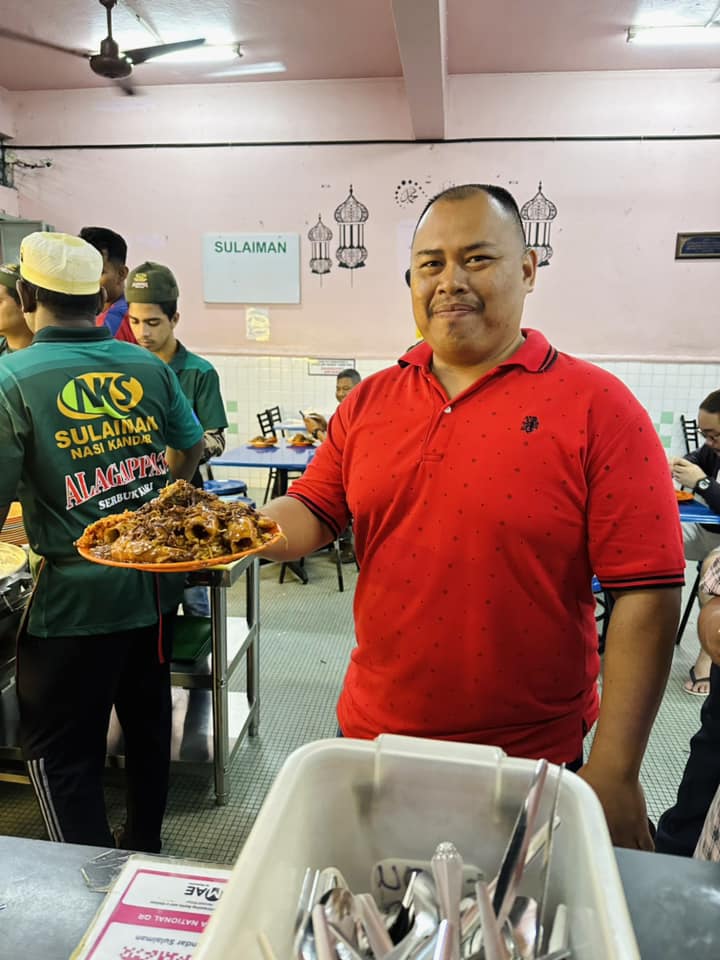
x=478, y=525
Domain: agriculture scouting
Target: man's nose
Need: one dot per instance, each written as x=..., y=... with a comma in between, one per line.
x=453, y=277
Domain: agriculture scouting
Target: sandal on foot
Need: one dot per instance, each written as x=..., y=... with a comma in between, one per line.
x=695, y=681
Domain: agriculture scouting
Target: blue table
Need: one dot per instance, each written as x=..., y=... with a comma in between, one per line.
x=281, y=458
x=692, y=511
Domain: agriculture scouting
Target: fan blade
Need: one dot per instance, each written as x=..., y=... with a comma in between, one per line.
x=23, y=38
x=143, y=54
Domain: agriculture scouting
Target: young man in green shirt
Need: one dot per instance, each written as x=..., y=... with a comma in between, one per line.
x=89, y=426
x=14, y=331
x=152, y=295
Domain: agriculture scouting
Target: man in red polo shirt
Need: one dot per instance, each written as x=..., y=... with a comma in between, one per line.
x=489, y=476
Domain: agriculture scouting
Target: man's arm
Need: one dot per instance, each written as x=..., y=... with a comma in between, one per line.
x=638, y=653
x=709, y=629
x=693, y=467
x=184, y=463
x=302, y=529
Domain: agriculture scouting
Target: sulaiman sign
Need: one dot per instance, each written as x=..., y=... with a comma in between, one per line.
x=251, y=267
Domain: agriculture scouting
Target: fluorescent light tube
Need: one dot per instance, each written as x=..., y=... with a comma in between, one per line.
x=674, y=36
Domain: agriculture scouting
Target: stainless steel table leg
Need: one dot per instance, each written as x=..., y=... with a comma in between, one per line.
x=218, y=615
x=252, y=586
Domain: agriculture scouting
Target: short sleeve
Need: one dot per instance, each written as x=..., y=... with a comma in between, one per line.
x=634, y=534
x=321, y=488
x=208, y=401
x=183, y=428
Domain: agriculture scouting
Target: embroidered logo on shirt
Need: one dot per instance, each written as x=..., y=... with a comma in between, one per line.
x=529, y=424
x=93, y=395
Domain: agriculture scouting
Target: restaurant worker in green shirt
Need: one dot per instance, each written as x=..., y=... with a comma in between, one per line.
x=152, y=294
x=14, y=332
x=89, y=426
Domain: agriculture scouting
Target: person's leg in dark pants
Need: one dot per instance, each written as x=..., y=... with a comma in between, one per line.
x=144, y=708
x=65, y=689
x=679, y=827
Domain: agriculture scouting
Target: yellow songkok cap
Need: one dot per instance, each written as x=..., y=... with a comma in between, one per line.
x=61, y=262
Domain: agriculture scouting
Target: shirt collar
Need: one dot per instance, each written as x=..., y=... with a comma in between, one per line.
x=535, y=354
x=72, y=334
x=177, y=361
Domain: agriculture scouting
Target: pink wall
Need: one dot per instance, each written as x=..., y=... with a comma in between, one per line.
x=612, y=289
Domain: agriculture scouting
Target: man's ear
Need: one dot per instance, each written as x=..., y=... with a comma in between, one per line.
x=174, y=321
x=28, y=300
x=123, y=272
x=101, y=301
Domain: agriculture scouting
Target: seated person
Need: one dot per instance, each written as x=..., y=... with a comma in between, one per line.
x=693, y=823
x=315, y=423
x=698, y=471
x=14, y=331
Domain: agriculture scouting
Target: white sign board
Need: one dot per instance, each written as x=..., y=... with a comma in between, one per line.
x=251, y=267
x=328, y=368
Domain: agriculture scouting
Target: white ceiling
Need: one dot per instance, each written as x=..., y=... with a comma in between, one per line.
x=334, y=39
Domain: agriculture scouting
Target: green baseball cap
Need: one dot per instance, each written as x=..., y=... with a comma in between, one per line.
x=9, y=276
x=151, y=283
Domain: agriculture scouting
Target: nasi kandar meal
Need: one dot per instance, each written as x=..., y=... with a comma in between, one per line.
x=183, y=524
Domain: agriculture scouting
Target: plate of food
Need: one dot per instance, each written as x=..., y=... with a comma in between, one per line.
x=262, y=443
x=182, y=529
x=683, y=496
x=300, y=440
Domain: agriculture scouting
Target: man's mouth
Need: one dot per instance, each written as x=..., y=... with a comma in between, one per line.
x=453, y=308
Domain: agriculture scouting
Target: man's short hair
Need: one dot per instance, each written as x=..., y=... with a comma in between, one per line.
x=350, y=374
x=107, y=242
x=66, y=306
x=465, y=190
x=169, y=308
x=711, y=403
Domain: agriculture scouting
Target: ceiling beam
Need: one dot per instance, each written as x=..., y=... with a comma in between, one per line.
x=420, y=27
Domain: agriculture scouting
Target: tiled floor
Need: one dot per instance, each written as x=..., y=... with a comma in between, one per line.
x=305, y=643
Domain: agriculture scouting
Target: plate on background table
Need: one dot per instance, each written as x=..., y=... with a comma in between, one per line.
x=185, y=566
x=684, y=496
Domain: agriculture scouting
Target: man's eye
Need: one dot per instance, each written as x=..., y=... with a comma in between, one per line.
x=478, y=258
x=430, y=263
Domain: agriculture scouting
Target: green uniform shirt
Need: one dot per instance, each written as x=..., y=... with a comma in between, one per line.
x=84, y=422
x=201, y=385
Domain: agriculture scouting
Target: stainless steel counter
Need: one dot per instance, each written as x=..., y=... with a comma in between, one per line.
x=45, y=906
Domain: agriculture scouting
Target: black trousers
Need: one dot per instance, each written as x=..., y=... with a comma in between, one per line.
x=679, y=827
x=66, y=689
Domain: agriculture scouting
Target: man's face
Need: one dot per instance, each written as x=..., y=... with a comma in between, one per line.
x=113, y=278
x=709, y=427
x=151, y=328
x=469, y=276
x=11, y=316
x=343, y=387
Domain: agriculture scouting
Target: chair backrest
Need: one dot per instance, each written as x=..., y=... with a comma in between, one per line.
x=690, y=433
x=267, y=420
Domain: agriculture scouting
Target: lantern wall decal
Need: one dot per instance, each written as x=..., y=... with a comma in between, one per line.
x=537, y=216
x=351, y=216
x=320, y=237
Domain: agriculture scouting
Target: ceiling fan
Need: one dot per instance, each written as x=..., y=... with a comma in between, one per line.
x=109, y=62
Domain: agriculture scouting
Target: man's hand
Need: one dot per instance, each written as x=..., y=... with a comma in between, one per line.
x=685, y=472
x=624, y=805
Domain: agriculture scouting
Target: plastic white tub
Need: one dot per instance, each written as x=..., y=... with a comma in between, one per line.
x=349, y=803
